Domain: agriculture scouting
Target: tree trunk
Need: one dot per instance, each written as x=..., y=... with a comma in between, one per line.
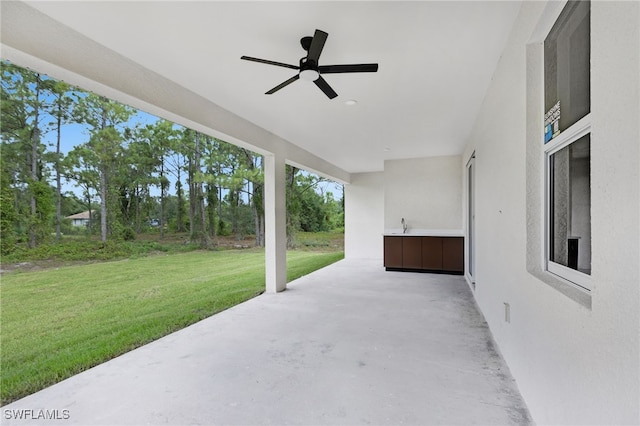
x=199, y=225
x=212, y=198
x=257, y=201
x=192, y=196
x=58, y=180
x=35, y=142
x=259, y=220
x=291, y=214
x=258, y=212
x=103, y=182
x=205, y=241
x=162, y=196
x=233, y=206
x=180, y=210
x=137, y=195
x=90, y=224
x=103, y=204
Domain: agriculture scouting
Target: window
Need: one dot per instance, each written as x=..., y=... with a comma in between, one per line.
x=567, y=139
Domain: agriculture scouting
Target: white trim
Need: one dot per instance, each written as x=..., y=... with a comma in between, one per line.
x=574, y=278
x=579, y=129
x=469, y=240
x=570, y=135
x=542, y=158
x=547, y=20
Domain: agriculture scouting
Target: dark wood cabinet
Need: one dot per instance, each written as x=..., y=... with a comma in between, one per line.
x=392, y=252
x=432, y=253
x=412, y=252
x=453, y=254
x=424, y=253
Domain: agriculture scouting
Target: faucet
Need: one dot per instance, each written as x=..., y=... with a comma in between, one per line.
x=404, y=226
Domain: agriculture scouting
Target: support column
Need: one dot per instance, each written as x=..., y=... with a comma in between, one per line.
x=275, y=213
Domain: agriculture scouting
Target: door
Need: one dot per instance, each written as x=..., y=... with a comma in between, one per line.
x=471, y=218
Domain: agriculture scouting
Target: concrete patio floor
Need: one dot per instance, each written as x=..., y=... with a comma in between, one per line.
x=350, y=344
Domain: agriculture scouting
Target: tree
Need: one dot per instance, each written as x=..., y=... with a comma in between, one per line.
x=104, y=117
x=37, y=189
x=135, y=190
x=147, y=154
x=176, y=162
x=239, y=177
x=307, y=210
x=231, y=178
x=22, y=105
x=122, y=162
x=292, y=204
x=198, y=223
x=14, y=131
x=255, y=177
x=163, y=135
x=61, y=111
x=81, y=166
x=8, y=214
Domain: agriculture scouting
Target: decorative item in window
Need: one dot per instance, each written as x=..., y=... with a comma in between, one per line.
x=552, y=122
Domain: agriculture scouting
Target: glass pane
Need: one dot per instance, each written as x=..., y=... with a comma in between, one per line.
x=567, y=64
x=570, y=239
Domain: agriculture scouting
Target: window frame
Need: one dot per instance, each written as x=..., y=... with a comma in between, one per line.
x=579, y=129
x=565, y=138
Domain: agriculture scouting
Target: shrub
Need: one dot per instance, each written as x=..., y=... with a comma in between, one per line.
x=128, y=234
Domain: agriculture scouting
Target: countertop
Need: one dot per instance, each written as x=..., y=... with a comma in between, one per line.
x=423, y=233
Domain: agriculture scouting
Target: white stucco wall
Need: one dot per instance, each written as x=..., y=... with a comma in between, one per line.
x=427, y=192
x=364, y=220
x=576, y=360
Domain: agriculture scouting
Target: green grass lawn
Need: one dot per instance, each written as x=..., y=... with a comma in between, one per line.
x=58, y=322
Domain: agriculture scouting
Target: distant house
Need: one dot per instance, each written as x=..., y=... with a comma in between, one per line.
x=80, y=219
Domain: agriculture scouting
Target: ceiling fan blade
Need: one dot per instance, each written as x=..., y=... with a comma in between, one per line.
x=324, y=86
x=334, y=69
x=281, y=85
x=319, y=38
x=264, y=61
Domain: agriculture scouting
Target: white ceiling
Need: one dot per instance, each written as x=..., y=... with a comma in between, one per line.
x=436, y=60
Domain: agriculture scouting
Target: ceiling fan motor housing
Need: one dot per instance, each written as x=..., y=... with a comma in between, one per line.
x=309, y=69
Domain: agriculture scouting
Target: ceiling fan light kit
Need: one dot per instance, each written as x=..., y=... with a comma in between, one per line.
x=309, y=75
x=309, y=70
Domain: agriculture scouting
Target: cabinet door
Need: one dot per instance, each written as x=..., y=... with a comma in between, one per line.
x=432, y=253
x=393, y=252
x=412, y=252
x=453, y=254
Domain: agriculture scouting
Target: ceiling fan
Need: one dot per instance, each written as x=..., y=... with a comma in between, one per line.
x=310, y=70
